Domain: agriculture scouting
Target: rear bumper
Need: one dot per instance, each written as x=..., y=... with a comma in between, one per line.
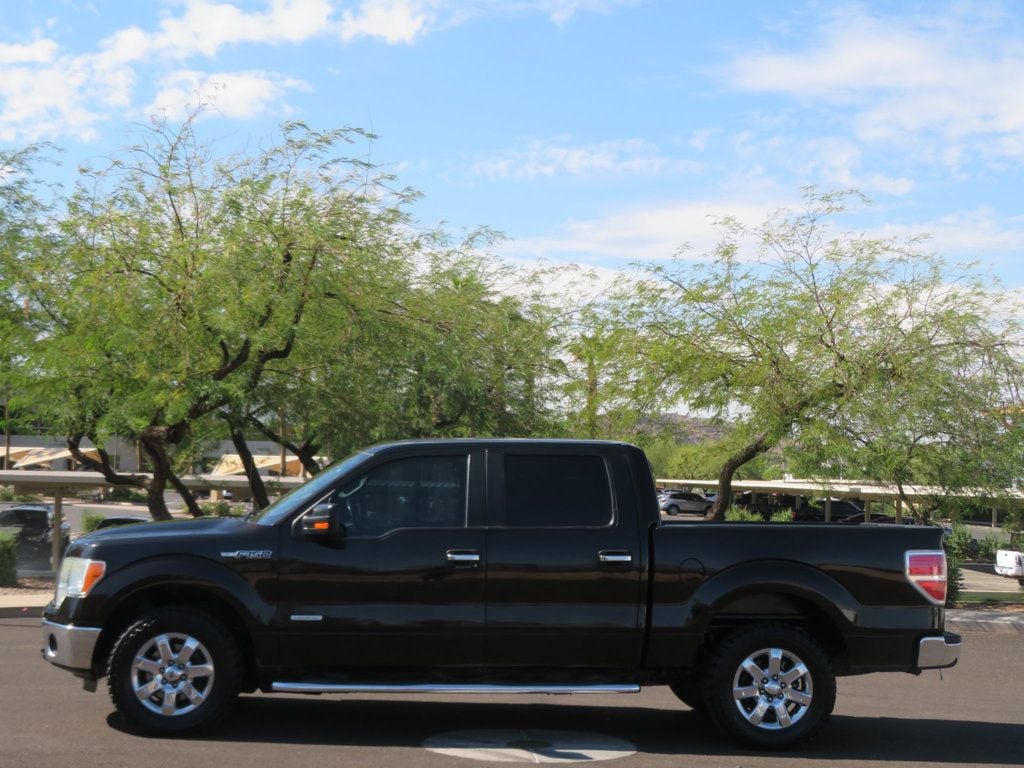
x=938, y=652
x=68, y=646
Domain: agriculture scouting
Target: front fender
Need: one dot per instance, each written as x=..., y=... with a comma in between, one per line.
x=185, y=573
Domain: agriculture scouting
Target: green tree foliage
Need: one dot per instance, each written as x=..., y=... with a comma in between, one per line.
x=827, y=342
x=185, y=297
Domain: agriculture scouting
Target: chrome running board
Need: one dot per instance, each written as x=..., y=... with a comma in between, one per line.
x=449, y=688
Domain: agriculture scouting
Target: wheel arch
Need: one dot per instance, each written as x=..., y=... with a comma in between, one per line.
x=772, y=591
x=210, y=587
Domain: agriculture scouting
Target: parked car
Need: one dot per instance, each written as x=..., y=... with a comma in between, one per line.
x=497, y=566
x=1010, y=563
x=32, y=525
x=815, y=513
x=674, y=502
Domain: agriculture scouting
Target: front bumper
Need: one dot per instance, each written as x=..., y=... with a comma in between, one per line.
x=69, y=646
x=938, y=652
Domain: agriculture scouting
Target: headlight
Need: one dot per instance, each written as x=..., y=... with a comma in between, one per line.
x=77, y=577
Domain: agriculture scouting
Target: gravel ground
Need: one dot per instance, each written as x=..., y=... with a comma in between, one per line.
x=28, y=585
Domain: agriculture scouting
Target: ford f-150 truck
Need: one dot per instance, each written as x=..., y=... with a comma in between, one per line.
x=537, y=566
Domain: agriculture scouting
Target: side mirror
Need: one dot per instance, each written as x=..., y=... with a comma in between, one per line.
x=322, y=524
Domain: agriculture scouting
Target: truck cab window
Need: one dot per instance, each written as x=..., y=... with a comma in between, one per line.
x=556, y=492
x=421, y=492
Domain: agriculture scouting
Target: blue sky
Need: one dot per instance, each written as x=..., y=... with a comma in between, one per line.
x=594, y=131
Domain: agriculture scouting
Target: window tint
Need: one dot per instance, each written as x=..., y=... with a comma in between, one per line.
x=421, y=492
x=556, y=491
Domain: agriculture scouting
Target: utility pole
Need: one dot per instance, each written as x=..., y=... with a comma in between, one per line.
x=284, y=451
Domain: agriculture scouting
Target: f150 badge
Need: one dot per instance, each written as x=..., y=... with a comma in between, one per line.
x=249, y=554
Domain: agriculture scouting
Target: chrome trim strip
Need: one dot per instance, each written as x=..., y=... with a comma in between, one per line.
x=938, y=652
x=306, y=617
x=73, y=645
x=449, y=688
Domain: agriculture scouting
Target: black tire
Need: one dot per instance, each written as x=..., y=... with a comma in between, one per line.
x=806, y=700
x=673, y=510
x=689, y=692
x=200, y=699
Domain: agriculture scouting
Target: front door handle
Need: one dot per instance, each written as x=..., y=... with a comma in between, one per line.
x=615, y=557
x=462, y=556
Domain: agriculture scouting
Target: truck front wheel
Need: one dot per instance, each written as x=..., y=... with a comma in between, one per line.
x=174, y=670
x=769, y=686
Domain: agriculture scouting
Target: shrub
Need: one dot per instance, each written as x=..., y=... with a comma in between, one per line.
x=740, y=515
x=221, y=509
x=954, y=580
x=91, y=520
x=989, y=544
x=959, y=543
x=8, y=560
x=127, y=493
x=7, y=494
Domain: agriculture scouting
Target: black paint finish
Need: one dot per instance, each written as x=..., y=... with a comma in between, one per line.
x=630, y=597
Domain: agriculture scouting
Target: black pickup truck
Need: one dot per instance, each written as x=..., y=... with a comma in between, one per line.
x=519, y=566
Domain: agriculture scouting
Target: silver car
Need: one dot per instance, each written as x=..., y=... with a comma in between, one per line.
x=674, y=502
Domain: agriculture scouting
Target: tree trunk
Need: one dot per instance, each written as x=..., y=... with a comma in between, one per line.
x=306, y=451
x=157, y=484
x=734, y=462
x=259, y=491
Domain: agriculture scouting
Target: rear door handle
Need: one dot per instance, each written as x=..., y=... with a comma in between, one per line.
x=615, y=557
x=462, y=556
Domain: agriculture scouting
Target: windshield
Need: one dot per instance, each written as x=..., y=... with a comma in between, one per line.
x=309, y=491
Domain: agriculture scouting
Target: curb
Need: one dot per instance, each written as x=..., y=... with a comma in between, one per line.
x=32, y=612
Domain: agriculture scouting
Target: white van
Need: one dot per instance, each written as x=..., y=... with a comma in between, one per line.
x=1010, y=563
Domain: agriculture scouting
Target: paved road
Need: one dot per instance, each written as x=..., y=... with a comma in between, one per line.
x=973, y=717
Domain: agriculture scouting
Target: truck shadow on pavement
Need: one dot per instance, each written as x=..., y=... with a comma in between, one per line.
x=404, y=723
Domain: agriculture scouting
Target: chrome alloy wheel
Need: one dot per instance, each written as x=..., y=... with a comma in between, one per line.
x=772, y=689
x=172, y=674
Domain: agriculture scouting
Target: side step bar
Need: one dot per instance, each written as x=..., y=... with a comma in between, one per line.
x=449, y=688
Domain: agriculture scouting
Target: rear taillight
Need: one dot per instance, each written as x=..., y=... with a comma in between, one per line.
x=926, y=570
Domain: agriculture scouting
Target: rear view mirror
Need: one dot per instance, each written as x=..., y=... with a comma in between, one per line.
x=321, y=524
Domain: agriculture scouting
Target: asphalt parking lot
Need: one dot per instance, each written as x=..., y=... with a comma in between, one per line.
x=974, y=716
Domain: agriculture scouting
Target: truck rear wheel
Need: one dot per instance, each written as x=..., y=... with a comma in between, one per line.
x=769, y=686
x=174, y=670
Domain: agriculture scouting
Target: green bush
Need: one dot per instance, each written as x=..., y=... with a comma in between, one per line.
x=8, y=560
x=221, y=509
x=959, y=543
x=989, y=544
x=127, y=493
x=91, y=520
x=7, y=494
x=740, y=515
x=954, y=580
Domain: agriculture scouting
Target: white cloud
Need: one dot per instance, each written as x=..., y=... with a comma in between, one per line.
x=47, y=93
x=643, y=234
x=205, y=27
x=963, y=235
x=557, y=157
x=836, y=162
x=38, y=51
x=394, y=21
x=234, y=95
x=955, y=76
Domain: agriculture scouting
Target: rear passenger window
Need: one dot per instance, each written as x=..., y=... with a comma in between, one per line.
x=557, y=492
